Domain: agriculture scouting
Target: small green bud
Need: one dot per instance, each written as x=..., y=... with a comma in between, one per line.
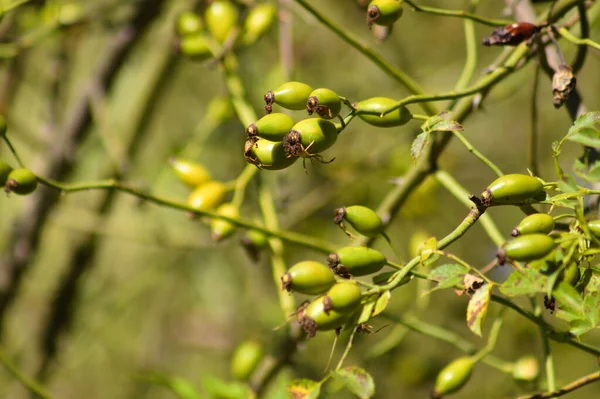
x=526, y=368
x=267, y=154
x=356, y=261
x=245, y=359
x=259, y=20
x=20, y=181
x=221, y=17
x=453, y=377
x=207, y=196
x=384, y=12
x=512, y=190
x=221, y=229
x=191, y=173
x=326, y=103
x=290, y=95
x=395, y=118
x=272, y=127
x=310, y=136
x=188, y=23
x=526, y=248
x=536, y=223
x=343, y=296
x=196, y=47
x=316, y=318
x=308, y=277
x=363, y=219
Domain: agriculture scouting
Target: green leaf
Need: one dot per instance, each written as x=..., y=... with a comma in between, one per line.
x=447, y=275
x=569, y=300
x=357, y=381
x=181, y=388
x=418, y=145
x=381, y=303
x=593, y=285
x=477, y=308
x=304, y=389
x=367, y=311
x=588, y=137
x=223, y=389
x=529, y=282
x=428, y=249
x=585, y=121
x=591, y=308
x=441, y=124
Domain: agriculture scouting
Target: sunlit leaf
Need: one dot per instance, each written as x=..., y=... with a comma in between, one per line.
x=183, y=389
x=418, y=145
x=478, y=307
x=357, y=381
x=304, y=389
x=569, y=300
x=428, y=249
x=381, y=303
x=447, y=275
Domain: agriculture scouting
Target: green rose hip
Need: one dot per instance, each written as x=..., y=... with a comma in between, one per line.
x=20, y=181
x=259, y=20
x=221, y=16
x=363, y=219
x=384, y=12
x=290, y=95
x=191, y=173
x=343, y=297
x=188, y=23
x=526, y=368
x=512, y=189
x=527, y=248
x=196, y=47
x=325, y=103
x=536, y=223
x=221, y=229
x=314, y=318
x=207, y=196
x=245, y=359
x=309, y=137
x=267, y=154
x=272, y=127
x=308, y=277
x=453, y=377
x=594, y=226
x=356, y=261
x=378, y=105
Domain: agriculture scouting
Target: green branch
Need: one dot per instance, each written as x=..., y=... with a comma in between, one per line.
x=579, y=383
x=27, y=382
x=458, y=14
x=564, y=32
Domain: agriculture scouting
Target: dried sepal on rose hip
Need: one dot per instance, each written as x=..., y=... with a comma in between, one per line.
x=453, y=377
x=207, y=196
x=221, y=229
x=221, y=17
x=512, y=189
x=188, y=23
x=536, y=223
x=364, y=220
x=512, y=34
x=383, y=12
x=274, y=127
x=314, y=318
x=526, y=248
x=377, y=105
x=20, y=181
x=290, y=95
x=563, y=83
x=308, y=277
x=325, y=103
x=245, y=359
x=356, y=261
x=267, y=154
x=309, y=137
x=258, y=21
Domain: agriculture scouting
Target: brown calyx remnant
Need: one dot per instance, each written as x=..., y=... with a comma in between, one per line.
x=563, y=83
x=312, y=106
x=309, y=325
x=486, y=197
x=269, y=100
x=292, y=144
x=373, y=13
x=286, y=282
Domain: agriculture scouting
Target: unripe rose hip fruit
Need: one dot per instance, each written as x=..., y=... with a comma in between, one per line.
x=20, y=181
x=188, y=23
x=363, y=219
x=378, y=105
x=308, y=277
x=536, y=223
x=290, y=95
x=245, y=359
x=512, y=190
x=453, y=377
x=310, y=136
x=208, y=196
x=314, y=318
x=272, y=127
x=220, y=17
x=356, y=261
x=325, y=103
x=221, y=229
x=527, y=248
x=267, y=154
x=191, y=173
x=384, y=12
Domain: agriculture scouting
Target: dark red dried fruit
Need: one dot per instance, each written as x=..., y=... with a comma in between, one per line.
x=511, y=35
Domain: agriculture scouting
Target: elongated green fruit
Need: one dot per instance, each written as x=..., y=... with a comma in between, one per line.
x=245, y=359
x=308, y=277
x=253, y=242
x=5, y=170
x=290, y=95
x=343, y=297
x=384, y=12
x=526, y=368
x=221, y=229
x=363, y=219
x=196, y=47
x=272, y=127
x=536, y=223
x=219, y=109
x=220, y=17
x=594, y=226
x=207, y=196
x=316, y=318
x=453, y=377
x=356, y=261
x=512, y=189
x=259, y=20
x=188, y=23
x=310, y=136
x=395, y=118
x=527, y=248
x=191, y=173
x=326, y=103
x=20, y=181
x=267, y=154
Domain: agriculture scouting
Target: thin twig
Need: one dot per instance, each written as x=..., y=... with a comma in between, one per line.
x=579, y=383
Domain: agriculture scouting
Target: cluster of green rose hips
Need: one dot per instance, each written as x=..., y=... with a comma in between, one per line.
x=276, y=141
x=224, y=23
x=20, y=181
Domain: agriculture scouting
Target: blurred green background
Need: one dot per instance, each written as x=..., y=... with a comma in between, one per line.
x=153, y=292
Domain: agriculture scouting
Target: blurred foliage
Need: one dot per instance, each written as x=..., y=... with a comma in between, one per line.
x=158, y=296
